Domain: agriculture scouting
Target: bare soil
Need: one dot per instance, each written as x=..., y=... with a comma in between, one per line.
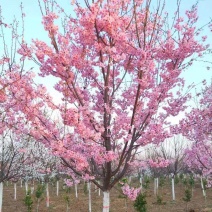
x=118, y=202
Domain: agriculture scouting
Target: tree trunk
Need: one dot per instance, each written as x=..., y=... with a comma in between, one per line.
x=106, y=201
x=1, y=195
x=141, y=185
x=47, y=195
x=15, y=191
x=26, y=187
x=57, y=188
x=76, y=193
x=155, y=186
x=32, y=187
x=38, y=204
x=99, y=190
x=89, y=196
x=173, y=191
x=203, y=190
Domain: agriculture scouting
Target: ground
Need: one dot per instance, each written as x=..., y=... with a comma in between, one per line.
x=118, y=202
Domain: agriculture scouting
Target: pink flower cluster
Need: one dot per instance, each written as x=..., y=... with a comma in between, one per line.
x=131, y=193
x=68, y=182
x=159, y=163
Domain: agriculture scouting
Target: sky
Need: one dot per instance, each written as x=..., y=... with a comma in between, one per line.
x=34, y=28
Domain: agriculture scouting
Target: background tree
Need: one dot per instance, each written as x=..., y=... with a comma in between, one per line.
x=172, y=150
x=198, y=128
x=11, y=161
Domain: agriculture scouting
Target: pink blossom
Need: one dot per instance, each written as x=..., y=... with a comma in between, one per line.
x=131, y=193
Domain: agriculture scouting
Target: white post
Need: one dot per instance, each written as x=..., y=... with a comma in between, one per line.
x=58, y=188
x=99, y=189
x=157, y=183
x=15, y=191
x=32, y=187
x=95, y=188
x=47, y=195
x=203, y=190
x=1, y=195
x=76, y=193
x=89, y=196
x=141, y=183
x=155, y=187
x=106, y=201
x=26, y=186
x=173, y=192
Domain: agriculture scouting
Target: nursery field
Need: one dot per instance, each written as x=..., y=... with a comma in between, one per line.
x=118, y=202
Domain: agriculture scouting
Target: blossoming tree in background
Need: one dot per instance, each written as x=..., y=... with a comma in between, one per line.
x=198, y=128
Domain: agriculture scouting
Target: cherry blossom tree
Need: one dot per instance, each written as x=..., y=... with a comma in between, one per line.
x=172, y=150
x=118, y=65
x=11, y=161
x=198, y=128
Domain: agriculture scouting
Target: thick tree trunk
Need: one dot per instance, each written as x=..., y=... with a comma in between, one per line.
x=106, y=201
x=1, y=195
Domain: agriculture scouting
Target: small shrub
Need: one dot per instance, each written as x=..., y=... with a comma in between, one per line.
x=187, y=197
x=140, y=203
x=28, y=201
x=85, y=188
x=38, y=194
x=191, y=181
x=162, y=181
x=176, y=180
x=204, y=181
x=146, y=182
x=181, y=177
x=67, y=200
x=185, y=182
x=39, y=191
x=160, y=200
